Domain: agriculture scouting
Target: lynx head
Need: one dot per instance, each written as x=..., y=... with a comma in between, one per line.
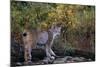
x=56, y=29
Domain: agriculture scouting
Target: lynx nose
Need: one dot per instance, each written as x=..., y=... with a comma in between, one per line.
x=24, y=34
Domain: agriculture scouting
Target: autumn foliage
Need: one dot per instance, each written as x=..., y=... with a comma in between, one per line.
x=78, y=22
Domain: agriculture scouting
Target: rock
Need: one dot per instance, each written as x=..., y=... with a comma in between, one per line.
x=68, y=58
x=89, y=59
x=71, y=61
x=60, y=60
x=82, y=58
x=77, y=59
x=18, y=63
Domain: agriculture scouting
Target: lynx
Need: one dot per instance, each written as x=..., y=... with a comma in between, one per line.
x=40, y=39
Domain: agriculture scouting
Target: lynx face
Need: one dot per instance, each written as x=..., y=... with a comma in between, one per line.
x=55, y=31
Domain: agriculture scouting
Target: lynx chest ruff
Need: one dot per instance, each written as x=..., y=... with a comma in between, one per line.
x=42, y=37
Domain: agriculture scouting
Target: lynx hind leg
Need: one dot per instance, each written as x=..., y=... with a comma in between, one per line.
x=48, y=52
x=52, y=54
x=27, y=55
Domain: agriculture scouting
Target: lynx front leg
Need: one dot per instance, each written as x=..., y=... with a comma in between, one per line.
x=52, y=53
x=49, y=58
x=48, y=53
x=27, y=55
